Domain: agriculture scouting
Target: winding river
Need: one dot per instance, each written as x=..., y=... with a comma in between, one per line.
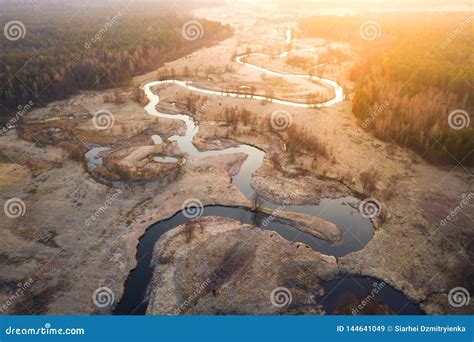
x=357, y=230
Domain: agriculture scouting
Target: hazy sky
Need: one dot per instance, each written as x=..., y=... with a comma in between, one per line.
x=404, y=2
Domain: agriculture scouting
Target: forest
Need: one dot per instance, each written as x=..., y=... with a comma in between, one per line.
x=421, y=70
x=60, y=54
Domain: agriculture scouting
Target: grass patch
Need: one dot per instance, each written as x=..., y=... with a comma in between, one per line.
x=3, y=158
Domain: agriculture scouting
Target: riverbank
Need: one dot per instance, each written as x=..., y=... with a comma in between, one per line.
x=52, y=244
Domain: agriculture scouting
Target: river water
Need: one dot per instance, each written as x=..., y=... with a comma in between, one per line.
x=357, y=230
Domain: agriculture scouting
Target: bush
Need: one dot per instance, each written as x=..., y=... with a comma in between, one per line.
x=369, y=181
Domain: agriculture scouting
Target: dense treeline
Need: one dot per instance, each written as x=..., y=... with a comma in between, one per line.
x=419, y=70
x=61, y=53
